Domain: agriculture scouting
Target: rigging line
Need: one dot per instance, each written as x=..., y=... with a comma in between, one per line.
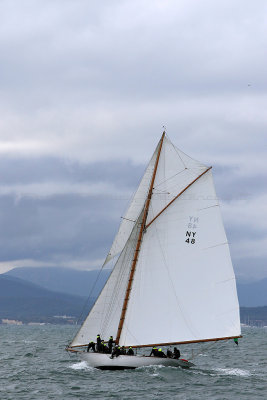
x=160, y=191
x=107, y=306
x=110, y=300
x=116, y=300
x=140, y=180
x=123, y=276
x=176, y=197
x=203, y=349
x=205, y=208
x=137, y=341
x=173, y=288
x=178, y=150
x=111, y=305
x=226, y=280
x=164, y=181
x=87, y=300
x=216, y=245
x=218, y=343
x=127, y=219
x=177, y=153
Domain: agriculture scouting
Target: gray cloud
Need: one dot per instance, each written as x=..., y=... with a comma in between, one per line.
x=85, y=89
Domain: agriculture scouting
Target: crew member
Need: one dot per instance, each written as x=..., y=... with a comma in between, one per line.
x=98, y=343
x=91, y=345
x=110, y=343
x=102, y=344
x=116, y=351
x=154, y=351
x=130, y=352
x=169, y=353
x=105, y=349
x=161, y=354
x=176, y=353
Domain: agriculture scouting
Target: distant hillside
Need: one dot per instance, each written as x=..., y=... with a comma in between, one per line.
x=252, y=294
x=28, y=302
x=256, y=316
x=80, y=283
x=64, y=280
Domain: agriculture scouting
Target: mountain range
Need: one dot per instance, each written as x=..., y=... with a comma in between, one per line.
x=58, y=295
x=27, y=302
x=85, y=283
x=64, y=280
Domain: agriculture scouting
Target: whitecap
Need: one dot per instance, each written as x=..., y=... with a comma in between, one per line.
x=233, y=371
x=82, y=365
x=150, y=367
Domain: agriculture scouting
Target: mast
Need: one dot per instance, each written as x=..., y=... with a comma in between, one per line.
x=138, y=245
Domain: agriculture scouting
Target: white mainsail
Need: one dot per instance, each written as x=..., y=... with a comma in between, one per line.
x=184, y=286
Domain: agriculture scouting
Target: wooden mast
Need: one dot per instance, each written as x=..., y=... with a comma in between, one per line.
x=138, y=245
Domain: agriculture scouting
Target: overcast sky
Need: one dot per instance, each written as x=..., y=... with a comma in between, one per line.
x=85, y=88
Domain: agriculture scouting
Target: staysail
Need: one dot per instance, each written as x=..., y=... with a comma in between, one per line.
x=184, y=286
x=133, y=212
x=104, y=317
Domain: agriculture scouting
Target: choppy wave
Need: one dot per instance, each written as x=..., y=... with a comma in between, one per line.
x=46, y=371
x=233, y=371
x=82, y=365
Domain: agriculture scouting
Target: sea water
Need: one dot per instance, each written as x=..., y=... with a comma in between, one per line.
x=35, y=366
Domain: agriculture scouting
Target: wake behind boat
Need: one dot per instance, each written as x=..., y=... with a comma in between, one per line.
x=173, y=282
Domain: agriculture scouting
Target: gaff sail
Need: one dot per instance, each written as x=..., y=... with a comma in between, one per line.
x=184, y=287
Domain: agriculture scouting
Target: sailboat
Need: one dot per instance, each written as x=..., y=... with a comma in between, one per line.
x=173, y=282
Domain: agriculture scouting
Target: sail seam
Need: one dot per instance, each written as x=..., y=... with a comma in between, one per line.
x=216, y=245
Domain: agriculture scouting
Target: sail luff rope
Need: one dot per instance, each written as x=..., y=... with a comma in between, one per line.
x=176, y=197
x=137, y=249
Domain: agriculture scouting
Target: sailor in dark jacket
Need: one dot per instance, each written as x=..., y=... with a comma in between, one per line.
x=91, y=345
x=176, y=353
x=110, y=343
x=154, y=351
x=161, y=354
x=102, y=344
x=105, y=349
x=116, y=351
x=169, y=353
x=130, y=352
x=98, y=343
